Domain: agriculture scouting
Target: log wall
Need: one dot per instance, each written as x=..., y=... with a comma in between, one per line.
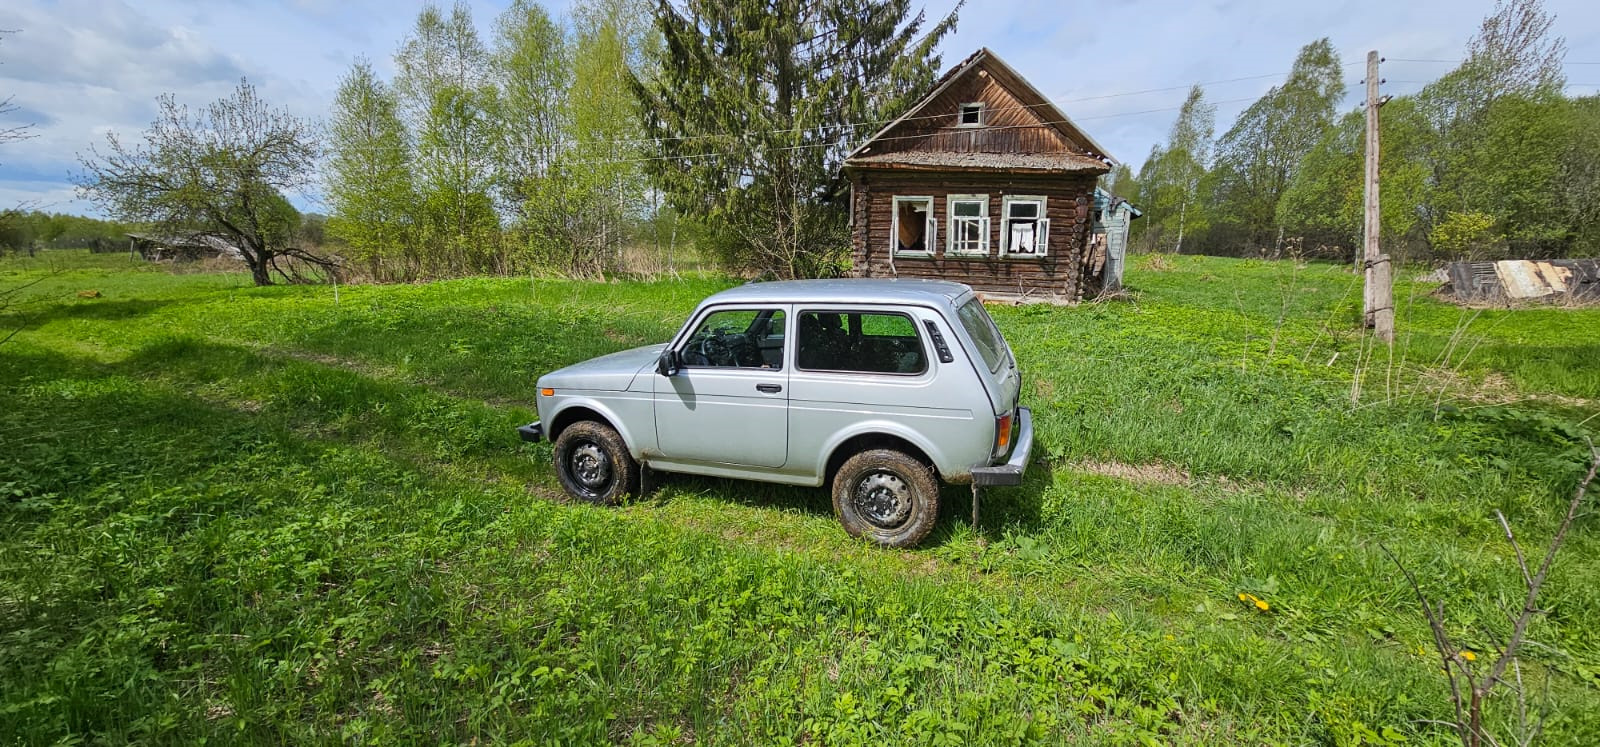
x=1058, y=275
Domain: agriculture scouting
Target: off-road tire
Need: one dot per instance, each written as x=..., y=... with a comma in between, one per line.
x=887, y=497
x=593, y=464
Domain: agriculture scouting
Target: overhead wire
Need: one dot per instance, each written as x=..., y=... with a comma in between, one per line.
x=842, y=130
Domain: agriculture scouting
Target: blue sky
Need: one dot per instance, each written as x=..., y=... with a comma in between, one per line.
x=78, y=69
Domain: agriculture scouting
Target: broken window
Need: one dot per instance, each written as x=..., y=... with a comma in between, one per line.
x=971, y=115
x=913, y=229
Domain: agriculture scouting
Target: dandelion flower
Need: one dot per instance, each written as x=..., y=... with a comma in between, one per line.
x=1469, y=656
x=1261, y=604
x=1242, y=595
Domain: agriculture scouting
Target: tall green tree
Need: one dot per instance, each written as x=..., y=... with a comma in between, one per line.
x=755, y=105
x=222, y=170
x=596, y=195
x=368, y=176
x=531, y=68
x=1121, y=182
x=1579, y=177
x=445, y=89
x=1323, y=206
x=1258, y=157
x=1169, y=181
x=1499, y=133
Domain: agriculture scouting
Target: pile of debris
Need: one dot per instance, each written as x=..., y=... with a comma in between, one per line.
x=1522, y=280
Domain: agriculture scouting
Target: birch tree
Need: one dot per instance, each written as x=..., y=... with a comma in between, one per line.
x=444, y=89
x=1258, y=157
x=1169, y=181
x=368, y=176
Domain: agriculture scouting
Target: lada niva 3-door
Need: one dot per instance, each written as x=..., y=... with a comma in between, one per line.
x=880, y=387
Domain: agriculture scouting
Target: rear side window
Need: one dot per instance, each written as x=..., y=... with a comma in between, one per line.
x=860, y=342
x=982, y=331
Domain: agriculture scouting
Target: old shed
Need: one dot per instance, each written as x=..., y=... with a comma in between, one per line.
x=984, y=181
x=189, y=247
x=1521, y=280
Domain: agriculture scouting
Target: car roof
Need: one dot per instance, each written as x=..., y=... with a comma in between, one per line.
x=845, y=290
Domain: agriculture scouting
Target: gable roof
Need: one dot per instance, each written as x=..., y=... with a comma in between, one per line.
x=1048, y=113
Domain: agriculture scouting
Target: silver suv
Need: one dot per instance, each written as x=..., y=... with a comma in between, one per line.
x=881, y=386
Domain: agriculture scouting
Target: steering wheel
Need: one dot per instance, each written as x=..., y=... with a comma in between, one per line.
x=723, y=348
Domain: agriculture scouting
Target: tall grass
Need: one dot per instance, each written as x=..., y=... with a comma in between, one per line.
x=257, y=515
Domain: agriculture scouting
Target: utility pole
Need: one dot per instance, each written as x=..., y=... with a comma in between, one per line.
x=1378, y=296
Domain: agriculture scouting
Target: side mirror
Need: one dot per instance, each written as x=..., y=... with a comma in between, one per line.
x=667, y=364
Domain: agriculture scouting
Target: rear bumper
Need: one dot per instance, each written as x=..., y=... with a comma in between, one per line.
x=1010, y=473
x=532, y=432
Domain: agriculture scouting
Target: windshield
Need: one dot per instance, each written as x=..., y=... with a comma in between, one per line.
x=982, y=331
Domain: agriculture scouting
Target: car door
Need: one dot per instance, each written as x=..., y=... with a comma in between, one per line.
x=728, y=401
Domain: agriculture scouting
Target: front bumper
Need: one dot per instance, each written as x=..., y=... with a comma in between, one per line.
x=1010, y=473
x=532, y=433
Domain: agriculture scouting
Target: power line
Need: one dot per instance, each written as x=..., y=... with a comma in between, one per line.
x=1457, y=62
x=843, y=130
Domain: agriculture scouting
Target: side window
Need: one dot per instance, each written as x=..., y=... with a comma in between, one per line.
x=737, y=338
x=860, y=342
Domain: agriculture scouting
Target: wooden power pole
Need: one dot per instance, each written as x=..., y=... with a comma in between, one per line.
x=1378, y=297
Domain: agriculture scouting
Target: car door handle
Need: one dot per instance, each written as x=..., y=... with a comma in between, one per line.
x=769, y=388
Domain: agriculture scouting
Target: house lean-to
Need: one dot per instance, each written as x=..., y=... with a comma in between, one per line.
x=986, y=182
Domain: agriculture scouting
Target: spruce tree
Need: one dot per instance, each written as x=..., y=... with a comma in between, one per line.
x=756, y=104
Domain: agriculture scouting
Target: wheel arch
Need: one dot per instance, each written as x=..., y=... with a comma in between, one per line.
x=874, y=439
x=589, y=410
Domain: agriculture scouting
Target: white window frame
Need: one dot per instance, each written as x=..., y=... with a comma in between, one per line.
x=961, y=114
x=930, y=234
x=1041, y=238
x=952, y=232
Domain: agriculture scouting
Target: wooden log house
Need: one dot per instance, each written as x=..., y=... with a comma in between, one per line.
x=983, y=181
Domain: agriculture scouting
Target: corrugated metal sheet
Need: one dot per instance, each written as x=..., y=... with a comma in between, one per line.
x=1525, y=280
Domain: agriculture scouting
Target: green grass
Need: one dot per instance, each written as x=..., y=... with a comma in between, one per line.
x=258, y=515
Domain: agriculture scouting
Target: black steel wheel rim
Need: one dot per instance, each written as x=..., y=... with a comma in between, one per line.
x=590, y=468
x=883, y=499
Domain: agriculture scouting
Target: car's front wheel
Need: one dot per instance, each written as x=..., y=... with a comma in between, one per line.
x=593, y=464
x=886, y=496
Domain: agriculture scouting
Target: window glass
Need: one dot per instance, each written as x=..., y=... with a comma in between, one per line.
x=737, y=338
x=969, y=226
x=862, y=342
x=1025, y=231
x=971, y=114
x=1024, y=210
x=983, y=333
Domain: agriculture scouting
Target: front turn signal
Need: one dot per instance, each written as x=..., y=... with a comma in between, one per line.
x=547, y=392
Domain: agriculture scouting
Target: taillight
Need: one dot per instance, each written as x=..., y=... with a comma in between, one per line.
x=1002, y=433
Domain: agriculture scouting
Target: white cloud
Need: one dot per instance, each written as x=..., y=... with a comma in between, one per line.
x=83, y=68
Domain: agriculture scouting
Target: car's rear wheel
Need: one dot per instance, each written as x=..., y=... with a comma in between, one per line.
x=593, y=464
x=886, y=496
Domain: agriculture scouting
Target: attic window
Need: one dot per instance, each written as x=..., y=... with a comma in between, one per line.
x=971, y=115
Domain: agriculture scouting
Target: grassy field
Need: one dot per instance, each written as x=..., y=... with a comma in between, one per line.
x=284, y=516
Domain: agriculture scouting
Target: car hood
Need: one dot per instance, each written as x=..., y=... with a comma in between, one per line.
x=612, y=373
